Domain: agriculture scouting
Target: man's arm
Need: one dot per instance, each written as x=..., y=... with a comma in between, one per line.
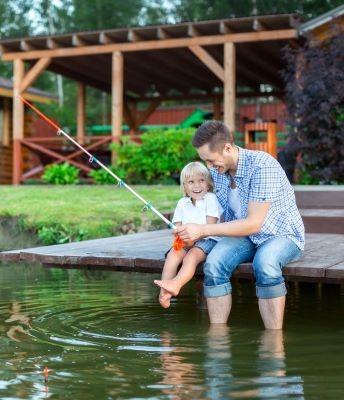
x=257, y=213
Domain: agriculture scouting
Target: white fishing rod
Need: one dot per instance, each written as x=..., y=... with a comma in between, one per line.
x=92, y=159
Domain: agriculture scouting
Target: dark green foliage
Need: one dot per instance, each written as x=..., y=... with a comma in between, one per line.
x=159, y=158
x=105, y=14
x=315, y=101
x=102, y=177
x=197, y=10
x=58, y=234
x=61, y=174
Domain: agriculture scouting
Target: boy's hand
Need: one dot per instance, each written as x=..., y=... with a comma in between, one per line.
x=190, y=232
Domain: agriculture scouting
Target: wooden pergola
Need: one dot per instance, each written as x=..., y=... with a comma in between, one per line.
x=199, y=60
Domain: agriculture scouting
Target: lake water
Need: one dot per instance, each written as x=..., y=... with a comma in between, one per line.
x=104, y=336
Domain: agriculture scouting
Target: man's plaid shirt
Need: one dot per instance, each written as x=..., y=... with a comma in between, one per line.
x=260, y=178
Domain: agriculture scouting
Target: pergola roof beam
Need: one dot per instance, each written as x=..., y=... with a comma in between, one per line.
x=181, y=74
x=33, y=73
x=258, y=25
x=224, y=28
x=157, y=44
x=25, y=45
x=162, y=34
x=105, y=38
x=157, y=75
x=78, y=41
x=209, y=61
x=133, y=36
x=193, y=31
x=180, y=68
x=52, y=43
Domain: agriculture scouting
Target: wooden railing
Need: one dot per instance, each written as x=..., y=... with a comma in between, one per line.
x=52, y=147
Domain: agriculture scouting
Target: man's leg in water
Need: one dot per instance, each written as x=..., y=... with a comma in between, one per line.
x=218, y=269
x=270, y=258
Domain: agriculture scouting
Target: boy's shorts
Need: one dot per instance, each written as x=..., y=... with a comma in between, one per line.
x=206, y=245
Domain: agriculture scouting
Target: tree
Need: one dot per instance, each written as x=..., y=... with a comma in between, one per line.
x=315, y=102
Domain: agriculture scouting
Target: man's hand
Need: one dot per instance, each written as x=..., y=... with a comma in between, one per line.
x=189, y=232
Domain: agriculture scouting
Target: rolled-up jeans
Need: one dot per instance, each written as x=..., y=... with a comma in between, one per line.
x=268, y=260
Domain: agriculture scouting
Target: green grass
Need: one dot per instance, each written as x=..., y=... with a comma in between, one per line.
x=85, y=211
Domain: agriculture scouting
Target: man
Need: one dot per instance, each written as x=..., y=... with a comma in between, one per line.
x=261, y=224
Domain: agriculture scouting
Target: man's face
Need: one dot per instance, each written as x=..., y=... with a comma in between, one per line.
x=219, y=160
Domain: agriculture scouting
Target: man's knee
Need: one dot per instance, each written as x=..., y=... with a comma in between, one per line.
x=267, y=269
x=215, y=271
x=268, y=273
x=226, y=256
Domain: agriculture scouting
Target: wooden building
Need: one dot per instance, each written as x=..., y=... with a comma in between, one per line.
x=6, y=115
x=218, y=61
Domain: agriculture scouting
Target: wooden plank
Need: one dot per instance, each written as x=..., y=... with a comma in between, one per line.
x=320, y=197
x=229, y=88
x=28, y=96
x=209, y=61
x=322, y=260
x=282, y=34
x=336, y=271
x=54, y=154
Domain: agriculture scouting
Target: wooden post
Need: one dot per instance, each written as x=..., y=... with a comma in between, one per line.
x=229, y=86
x=7, y=117
x=81, y=101
x=117, y=97
x=18, y=121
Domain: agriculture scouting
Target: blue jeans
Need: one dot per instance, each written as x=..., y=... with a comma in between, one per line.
x=268, y=260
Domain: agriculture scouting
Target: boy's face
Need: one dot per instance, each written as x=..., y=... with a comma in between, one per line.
x=196, y=187
x=219, y=160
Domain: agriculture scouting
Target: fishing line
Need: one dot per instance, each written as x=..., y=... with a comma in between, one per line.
x=94, y=161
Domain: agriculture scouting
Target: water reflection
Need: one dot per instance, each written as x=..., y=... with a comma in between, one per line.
x=179, y=374
x=16, y=332
x=218, y=367
x=273, y=380
x=104, y=336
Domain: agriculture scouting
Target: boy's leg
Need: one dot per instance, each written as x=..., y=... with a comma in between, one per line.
x=172, y=262
x=268, y=262
x=194, y=257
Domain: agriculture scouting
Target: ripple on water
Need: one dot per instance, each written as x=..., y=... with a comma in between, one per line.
x=105, y=336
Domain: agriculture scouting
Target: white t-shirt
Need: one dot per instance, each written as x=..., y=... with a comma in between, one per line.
x=186, y=212
x=234, y=202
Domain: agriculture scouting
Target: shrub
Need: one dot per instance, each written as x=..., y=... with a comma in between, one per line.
x=102, y=177
x=159, y=158
x=315, y=102
x=61, y=174
x=58, y=234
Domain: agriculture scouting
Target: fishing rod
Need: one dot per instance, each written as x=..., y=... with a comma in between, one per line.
x=92, y=159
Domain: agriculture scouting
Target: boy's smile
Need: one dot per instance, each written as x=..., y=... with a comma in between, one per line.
x=196, y=187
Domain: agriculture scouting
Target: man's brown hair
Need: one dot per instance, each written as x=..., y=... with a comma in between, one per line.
x=215, y=133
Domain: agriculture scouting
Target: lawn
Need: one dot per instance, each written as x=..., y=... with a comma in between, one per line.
x=63, y=213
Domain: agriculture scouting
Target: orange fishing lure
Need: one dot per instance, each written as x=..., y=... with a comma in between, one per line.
x=178, y=244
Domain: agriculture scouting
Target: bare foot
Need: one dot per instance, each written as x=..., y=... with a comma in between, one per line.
x=171, y=285
x=165, y=298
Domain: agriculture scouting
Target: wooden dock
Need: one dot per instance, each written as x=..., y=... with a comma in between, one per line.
x=323, y=259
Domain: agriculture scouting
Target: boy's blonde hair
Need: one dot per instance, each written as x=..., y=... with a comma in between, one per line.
x=192, y=169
